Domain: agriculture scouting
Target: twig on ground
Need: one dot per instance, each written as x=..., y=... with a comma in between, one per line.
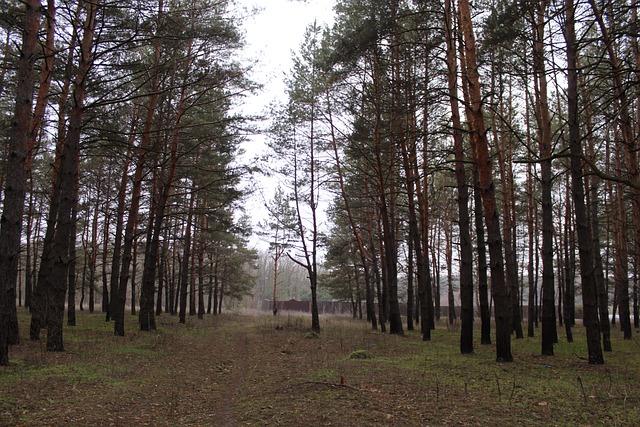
x=328, y=384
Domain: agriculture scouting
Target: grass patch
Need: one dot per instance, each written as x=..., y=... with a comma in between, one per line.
x=361, y=355
x=241, y=370
x=312, y=335
x=324, y=375
x=136, y=350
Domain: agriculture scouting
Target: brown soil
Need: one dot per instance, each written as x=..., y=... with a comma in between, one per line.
x=247, y=370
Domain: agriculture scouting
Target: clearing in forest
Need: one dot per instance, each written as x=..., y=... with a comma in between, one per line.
x=263, y=370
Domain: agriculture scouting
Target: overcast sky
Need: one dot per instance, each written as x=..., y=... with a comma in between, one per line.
x=271, y=36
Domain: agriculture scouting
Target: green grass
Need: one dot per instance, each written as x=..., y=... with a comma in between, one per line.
x=284, y=377
x=324, y=375
x=136, y=349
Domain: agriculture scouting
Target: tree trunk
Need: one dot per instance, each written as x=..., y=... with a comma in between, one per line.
x=448, y=236
x=37, y=306
x=118, y=234
x=410, y=286
x=568, y=279
x=621, y=267
x=93, y=254
x=184, y=280
x=120, y=294
x=585, y=242
x=376, y=270
x=483, y=281
x=71, y=291
x=592, y=183
x=30, y=253
x=385, y=183
x=147, y=292
x=633, y=155
x=106, y=228
x=163, y=273
x=134, y=273
x=210, y=286
x=216, y=285
x=201, y=250
x=636, y=308
x=14, y=191
x=46, y=73
x=506, y=180
x=409, y=159
x=466, y=255
x=629, y=144
x=561, y=269
x=221, y=296
x=533, y=288
x=546, y=177
x=56, y=261
x=193, y=293
x=480, y=151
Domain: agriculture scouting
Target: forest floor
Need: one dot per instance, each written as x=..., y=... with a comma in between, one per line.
x=263, y=370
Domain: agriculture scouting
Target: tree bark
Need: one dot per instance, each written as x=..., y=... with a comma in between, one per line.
x=118, y=237
x=546, y=177
x=185, y=262
x=14, y=190
x=593, y=183
x=389, y=216
x=480, y=150
x=414, y=201
x=428, y=312
x=56, y=261
x=533, y=288
x=120, y=295
x=585, y=242
x=71, y=273
x=201, y=252
x=506, y=180
x=448, y=236
x=630, y=146
x=568, y=275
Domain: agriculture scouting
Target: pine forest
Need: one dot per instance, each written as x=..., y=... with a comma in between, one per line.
x=432, y=167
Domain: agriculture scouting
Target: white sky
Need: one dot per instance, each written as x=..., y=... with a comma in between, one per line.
x=272, y=36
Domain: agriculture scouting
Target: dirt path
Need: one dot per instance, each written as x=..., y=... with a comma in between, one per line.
x=238, y=375
x=236, y=370
x=208, y=375
x=224, y=371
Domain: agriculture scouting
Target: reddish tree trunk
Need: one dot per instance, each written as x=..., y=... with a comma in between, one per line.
x=120, y=295
x=629, y=144
x=480, y=151
x=56, y=260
